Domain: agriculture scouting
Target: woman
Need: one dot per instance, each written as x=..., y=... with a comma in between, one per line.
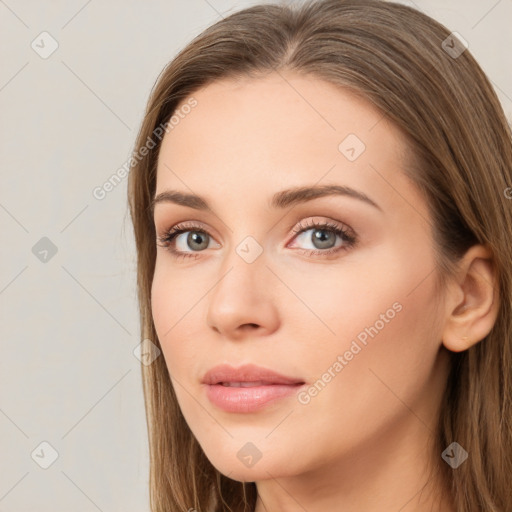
x=322, y=226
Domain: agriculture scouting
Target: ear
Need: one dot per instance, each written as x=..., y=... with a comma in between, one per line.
x=473, y=300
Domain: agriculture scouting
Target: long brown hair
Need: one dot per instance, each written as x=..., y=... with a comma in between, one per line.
x=461, y=159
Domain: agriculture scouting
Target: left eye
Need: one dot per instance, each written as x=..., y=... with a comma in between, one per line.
x=323, y=237
x=320, y=238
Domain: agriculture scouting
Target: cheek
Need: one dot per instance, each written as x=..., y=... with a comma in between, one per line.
x=173, y=295
x=382, y=354
x=384, y=299
x=172, y=300
x=378, y=314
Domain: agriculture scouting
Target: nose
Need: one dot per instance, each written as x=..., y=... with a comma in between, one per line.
x=242, y=302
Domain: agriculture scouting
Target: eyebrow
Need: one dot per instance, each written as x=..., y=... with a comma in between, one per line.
x=280, y=200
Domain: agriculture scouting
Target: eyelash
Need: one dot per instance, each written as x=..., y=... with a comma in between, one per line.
x=349, y=239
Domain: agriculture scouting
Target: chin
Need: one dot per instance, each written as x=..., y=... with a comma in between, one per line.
x=264, y=469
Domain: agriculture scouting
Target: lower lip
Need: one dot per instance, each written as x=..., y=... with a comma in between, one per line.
x=236, y=399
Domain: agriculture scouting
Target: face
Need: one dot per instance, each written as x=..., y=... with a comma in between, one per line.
x=333, y=289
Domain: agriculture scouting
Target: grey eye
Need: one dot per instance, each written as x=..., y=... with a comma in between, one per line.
x=195, y=240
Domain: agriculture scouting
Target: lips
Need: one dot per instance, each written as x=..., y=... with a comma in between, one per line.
x=247, y=376
x=248, y=388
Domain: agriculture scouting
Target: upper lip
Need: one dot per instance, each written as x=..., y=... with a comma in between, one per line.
x=247, y=373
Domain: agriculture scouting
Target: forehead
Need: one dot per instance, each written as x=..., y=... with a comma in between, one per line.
x=279, y=108
x=264, y=134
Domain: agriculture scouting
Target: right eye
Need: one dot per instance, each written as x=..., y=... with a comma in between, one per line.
x=196, y=239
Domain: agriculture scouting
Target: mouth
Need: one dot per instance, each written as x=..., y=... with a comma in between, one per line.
x=248, y=388
x=247, y=384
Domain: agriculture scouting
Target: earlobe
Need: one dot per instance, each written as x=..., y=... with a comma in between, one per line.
x=473, y=301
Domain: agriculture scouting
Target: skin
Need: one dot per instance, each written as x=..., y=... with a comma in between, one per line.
x=364, y=441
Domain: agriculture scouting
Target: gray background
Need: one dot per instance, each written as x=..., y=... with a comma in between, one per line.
x=69, y=320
